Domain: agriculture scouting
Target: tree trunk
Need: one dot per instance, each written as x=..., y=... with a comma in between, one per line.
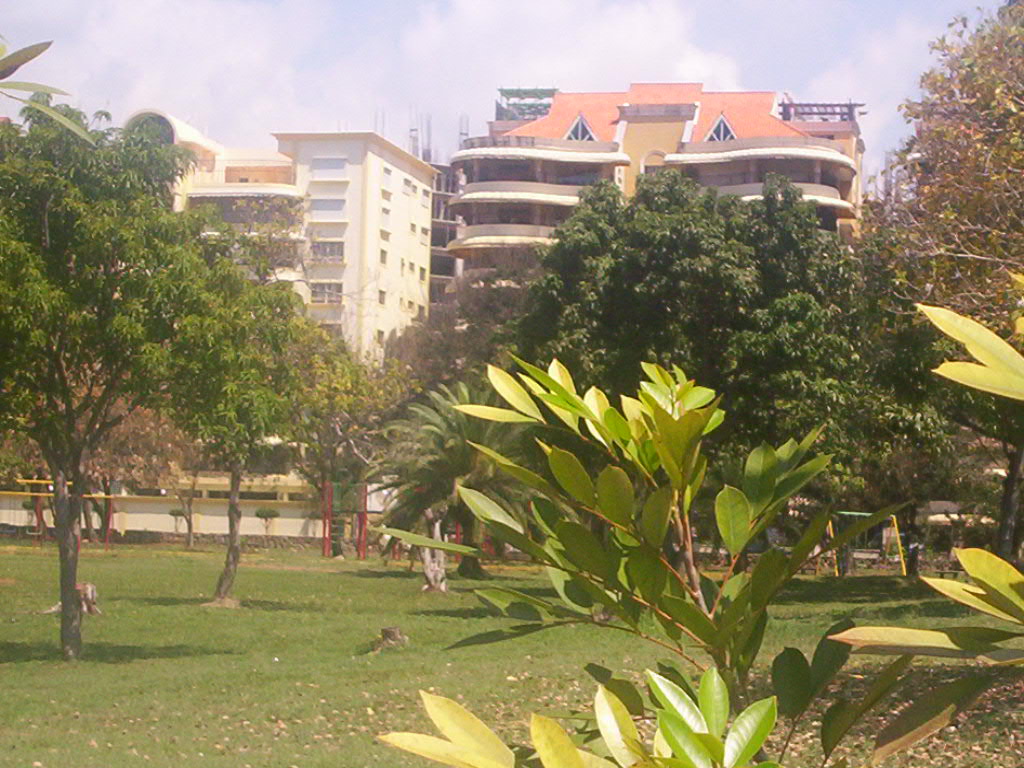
x=434, y=562
x=67, y=511
x=227, y=576
x=1010, y=503
x=469, y=565
x=190, y=536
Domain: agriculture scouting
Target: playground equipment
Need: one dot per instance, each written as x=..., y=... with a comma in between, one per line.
x=37, y=497
x=896, y=531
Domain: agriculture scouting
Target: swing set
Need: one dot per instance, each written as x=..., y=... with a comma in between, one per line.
x=896, y=531
x=38, y=496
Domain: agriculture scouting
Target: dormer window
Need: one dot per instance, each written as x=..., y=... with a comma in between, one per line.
x=721, y=131
x=580, y=131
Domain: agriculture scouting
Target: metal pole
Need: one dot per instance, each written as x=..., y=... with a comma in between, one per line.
x=899, y=545
x=110, y=512
x=40, y=523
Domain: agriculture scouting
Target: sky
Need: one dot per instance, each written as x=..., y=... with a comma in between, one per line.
x=240, y=69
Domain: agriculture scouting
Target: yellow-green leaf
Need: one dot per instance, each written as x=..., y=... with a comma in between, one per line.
x=733, y=513
x=616, y=726
x=992, y=380
x=465, y=729
x=1003, y=583
x=656, y=515
x=615, y=495
x=571, y=475
x=981, y=343
x=490, y=413
x=554, y=747
x=512, y=392
x=439, y=750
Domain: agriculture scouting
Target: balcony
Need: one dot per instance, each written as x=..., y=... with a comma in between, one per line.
x=539, y=148
x=484, y=236
x=244, y=189
x=820, y=194
x=325, y=314
x=519, y=192
x=775, y=147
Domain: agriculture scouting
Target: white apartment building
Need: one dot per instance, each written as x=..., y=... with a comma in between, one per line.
x=362, y=257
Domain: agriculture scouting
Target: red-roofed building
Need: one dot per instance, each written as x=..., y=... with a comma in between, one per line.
x=524, y=177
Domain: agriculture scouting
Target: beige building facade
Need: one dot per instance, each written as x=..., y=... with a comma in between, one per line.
x=361, y=247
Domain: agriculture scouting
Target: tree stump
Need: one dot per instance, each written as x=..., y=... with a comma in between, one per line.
x=390, y=637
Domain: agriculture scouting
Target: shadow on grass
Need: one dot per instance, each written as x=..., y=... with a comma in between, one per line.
x=458, y=613
x=104, y=653
x=255, y=605
x=379, y=573
x=853, y=589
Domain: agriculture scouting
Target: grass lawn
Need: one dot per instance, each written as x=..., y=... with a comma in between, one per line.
x=288, y=678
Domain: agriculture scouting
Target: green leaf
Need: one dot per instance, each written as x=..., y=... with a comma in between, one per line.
x=464, y=729
x=647, y=574
x=954, y=643
x=416, y=540
x=969, y=595
x=554, y=747
x=656, y=515
x=1003, y=584
x=574, y=596
x=713, y=744
x=616, y=726
x=843, y=714
x=713, y=697
x=10, y=63
x=506, y=465
x=676, y=701
x=759, y=477
x=623, y=689
x=490, y=413
x=984, y=379
x=796, y=479
x=512, y=392
x=31, y=87
x=691, y=617
x=733, y=513
x=829, y=657
x=792, y=682
x=583, y=549
x=749, y=731
x=981, y=343
x=571, y=475
x=615, y=495
x=683, y=740
x=487, y=510
x=931, y=712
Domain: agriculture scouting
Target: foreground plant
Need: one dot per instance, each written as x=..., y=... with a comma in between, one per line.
x=692, y=732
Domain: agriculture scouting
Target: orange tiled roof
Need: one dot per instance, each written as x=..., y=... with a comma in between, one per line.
x=749, y=113
x=600, y=110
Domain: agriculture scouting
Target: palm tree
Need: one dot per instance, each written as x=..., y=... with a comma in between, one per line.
x=431, y=455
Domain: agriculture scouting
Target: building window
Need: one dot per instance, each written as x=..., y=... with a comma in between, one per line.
x=385, y=195
x=423, y=274
x=325, y=293
x=425, y=198
x=421, y=312
x=382, y=297
x=424, y=235
x=383, y=256
x=385, y=180
x=385, y=235
x=327, y=250
x=408, y=187
x=385, y=217
x=402, y=268
x=327, y=168
x=326, y=208
x=720, y=131
x=412, y=228
x=580, y=131
x=380, y=337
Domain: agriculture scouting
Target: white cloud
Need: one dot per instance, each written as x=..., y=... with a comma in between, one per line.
x=238, y=69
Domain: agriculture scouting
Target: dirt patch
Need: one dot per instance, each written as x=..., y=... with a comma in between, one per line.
x=7, y=582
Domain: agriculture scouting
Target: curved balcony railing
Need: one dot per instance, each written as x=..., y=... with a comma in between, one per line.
x=244, y=189
x=518, y=192
x=820, y=194
x=539, y=142
x=779, y=147
x=477, y=236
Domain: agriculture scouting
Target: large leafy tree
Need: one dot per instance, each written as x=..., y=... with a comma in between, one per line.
x=97, y=277
x=952, y=224
x=751, y=298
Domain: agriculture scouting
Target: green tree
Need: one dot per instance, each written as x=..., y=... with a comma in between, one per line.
x=952, y=224
x=751, y=298
x=232, y=376
x=97, y=276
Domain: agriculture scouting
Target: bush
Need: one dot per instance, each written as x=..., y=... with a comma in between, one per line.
x=266, y=513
